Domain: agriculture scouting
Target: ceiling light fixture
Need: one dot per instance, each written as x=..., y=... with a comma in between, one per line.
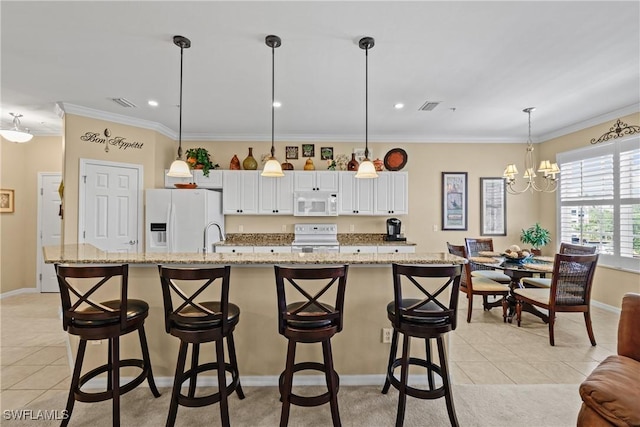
x=366, y=169
x=16, y=134
x=273, y=168
x=399, y=106
x=549, y=170
x=152, y=103
x=179, y=168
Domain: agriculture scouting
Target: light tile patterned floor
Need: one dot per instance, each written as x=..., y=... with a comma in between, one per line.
x=34, y=359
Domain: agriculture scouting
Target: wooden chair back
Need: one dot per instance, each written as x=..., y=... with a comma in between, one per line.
x=186, y=286
x=570, y=249
x=326, y=309
x=465, y=277
x=79, y=303
x=436, y=305
x=572, y=280
x=476, y=245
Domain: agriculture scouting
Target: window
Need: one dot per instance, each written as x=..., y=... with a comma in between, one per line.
x=599, y=199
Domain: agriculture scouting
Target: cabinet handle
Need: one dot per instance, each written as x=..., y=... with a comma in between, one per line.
x=271, y=250
x=233, y=250
x=396, y=250
x=358, y=250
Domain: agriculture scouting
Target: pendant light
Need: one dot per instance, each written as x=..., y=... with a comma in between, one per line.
x=179, y=168
x=366, y=169
x=272, y=168
x=16, y=134
x=548, y=182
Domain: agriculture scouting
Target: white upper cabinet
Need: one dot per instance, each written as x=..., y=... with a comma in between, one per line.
x=356, y=195
x=315, y=181
x=240, y=193
x=276, y=195
x=213, y=181
x=391, y=193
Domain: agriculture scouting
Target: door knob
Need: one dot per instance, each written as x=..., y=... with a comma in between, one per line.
x=133, y=242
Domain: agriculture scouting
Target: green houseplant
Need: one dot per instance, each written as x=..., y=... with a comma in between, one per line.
x=199, y=158
x=536, y=236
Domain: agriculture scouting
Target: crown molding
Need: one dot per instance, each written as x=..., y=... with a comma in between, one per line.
x=594, y=121
x=116, y=118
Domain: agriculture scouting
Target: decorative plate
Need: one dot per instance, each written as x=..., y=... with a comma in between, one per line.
x=395, y=159
x=186, y=185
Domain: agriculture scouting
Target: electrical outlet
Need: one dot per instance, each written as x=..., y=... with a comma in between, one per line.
x=352, y=228
x=240, y=228
x=284, y=228
x=435, y=227
x=96, y=342
x=387, y=333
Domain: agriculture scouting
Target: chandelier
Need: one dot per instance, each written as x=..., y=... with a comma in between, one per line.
x=16, y=133
x=548, y=182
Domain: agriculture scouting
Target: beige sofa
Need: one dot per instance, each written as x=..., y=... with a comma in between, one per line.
x=611, y=393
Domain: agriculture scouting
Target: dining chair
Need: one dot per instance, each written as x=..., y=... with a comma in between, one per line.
x=565, y=248
x=479, y=285
x=570, y=291
x=474, y=247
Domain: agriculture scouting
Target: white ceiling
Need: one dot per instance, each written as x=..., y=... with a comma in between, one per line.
x=575, y=61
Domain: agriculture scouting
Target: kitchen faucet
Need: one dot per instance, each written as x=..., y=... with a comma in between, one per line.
x=204, y=238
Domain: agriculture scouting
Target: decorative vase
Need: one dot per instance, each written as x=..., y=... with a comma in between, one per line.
x=309, y=166
x=235, y=163
x=250, y=163
x=353, y=164
x=379, y=165
x=286, y=166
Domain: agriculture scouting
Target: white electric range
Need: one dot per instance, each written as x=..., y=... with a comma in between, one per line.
x=318, y=238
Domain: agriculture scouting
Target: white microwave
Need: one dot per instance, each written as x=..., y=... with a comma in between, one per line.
x=315, y=203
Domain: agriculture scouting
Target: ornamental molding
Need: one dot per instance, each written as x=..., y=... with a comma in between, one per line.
x=618, y=130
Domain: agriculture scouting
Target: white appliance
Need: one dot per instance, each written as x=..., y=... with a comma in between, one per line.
x=315, y=203
x=310, y=238
x=175, y=220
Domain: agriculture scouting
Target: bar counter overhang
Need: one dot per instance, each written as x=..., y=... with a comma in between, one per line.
x=359, y=355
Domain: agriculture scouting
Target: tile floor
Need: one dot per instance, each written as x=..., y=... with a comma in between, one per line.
x=34, y=360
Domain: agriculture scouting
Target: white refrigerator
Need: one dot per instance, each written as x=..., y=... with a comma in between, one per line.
x=175, y=220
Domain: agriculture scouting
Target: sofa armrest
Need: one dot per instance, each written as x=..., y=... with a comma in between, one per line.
x=628, y=330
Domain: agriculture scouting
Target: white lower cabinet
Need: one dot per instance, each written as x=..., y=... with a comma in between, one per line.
x=234, y=249
x=272, y=249
x=358, y=249
x=401, y=249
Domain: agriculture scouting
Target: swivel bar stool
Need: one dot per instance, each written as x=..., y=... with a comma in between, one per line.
x=195, y=322
x=310, y=320
x=89, y=319
x=426, y=317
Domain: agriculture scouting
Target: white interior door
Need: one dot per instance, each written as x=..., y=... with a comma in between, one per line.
x=110, y=205
x=49, y=227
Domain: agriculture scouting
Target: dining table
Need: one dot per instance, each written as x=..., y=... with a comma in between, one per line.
x=534, y=266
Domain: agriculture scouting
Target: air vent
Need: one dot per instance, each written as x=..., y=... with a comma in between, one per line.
x=429, y=105
x=124, y=102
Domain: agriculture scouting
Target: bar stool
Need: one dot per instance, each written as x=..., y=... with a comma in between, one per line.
x=310, y=320
x=196, y=322
x=102, y=320
x=427, y=318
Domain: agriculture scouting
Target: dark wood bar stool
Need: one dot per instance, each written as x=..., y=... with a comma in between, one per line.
x=90, y=319
x=195, y=322
x=426, y=317
x=310, y=319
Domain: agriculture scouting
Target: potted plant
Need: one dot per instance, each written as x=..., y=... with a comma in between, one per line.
x=536, y=236
x=199, y=158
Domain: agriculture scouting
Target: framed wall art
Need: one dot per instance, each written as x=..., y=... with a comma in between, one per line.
x=291, y=152
x=308, y=150
x=493, y=207
x=326, y=153
x=7, y=204
x=454, y=200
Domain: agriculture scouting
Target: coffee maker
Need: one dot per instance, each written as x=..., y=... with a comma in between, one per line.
x=393, y=231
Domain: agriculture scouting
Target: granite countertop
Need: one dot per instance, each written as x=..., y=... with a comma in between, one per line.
x=285, y=239
x=88, y=254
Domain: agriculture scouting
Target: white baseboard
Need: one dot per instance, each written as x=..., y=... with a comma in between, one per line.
x=18, y=292
x=271, y=381
x=606, y=307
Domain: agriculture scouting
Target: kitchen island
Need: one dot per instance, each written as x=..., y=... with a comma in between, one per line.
x=359, y=355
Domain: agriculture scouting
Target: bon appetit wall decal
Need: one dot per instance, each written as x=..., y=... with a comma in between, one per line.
x=117, y=141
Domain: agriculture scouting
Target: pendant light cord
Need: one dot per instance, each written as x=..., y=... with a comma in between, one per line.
x=366, y=103
x=180, y=122
x=273, y=99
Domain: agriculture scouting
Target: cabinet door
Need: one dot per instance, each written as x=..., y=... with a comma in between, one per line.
x=231, y=198
x=234, y=249
x=249, y=192
x=400, y=193
x=364, y=196
x=272, y=249
x=383, y=197
x=214, y=180
x=347, y=196
x=304, y=181
x=401, y=249
x=358, y=249
x=327, y=180
x=268, y=203
x=284, y=194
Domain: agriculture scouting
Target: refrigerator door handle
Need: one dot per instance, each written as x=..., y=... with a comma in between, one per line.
x=171, y=222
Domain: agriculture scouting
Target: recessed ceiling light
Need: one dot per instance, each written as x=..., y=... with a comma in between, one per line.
x=398, y=106
x=277, y=104
x=153, y=103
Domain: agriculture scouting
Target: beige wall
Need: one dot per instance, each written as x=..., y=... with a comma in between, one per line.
x=20, y=164
x=609, y=284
